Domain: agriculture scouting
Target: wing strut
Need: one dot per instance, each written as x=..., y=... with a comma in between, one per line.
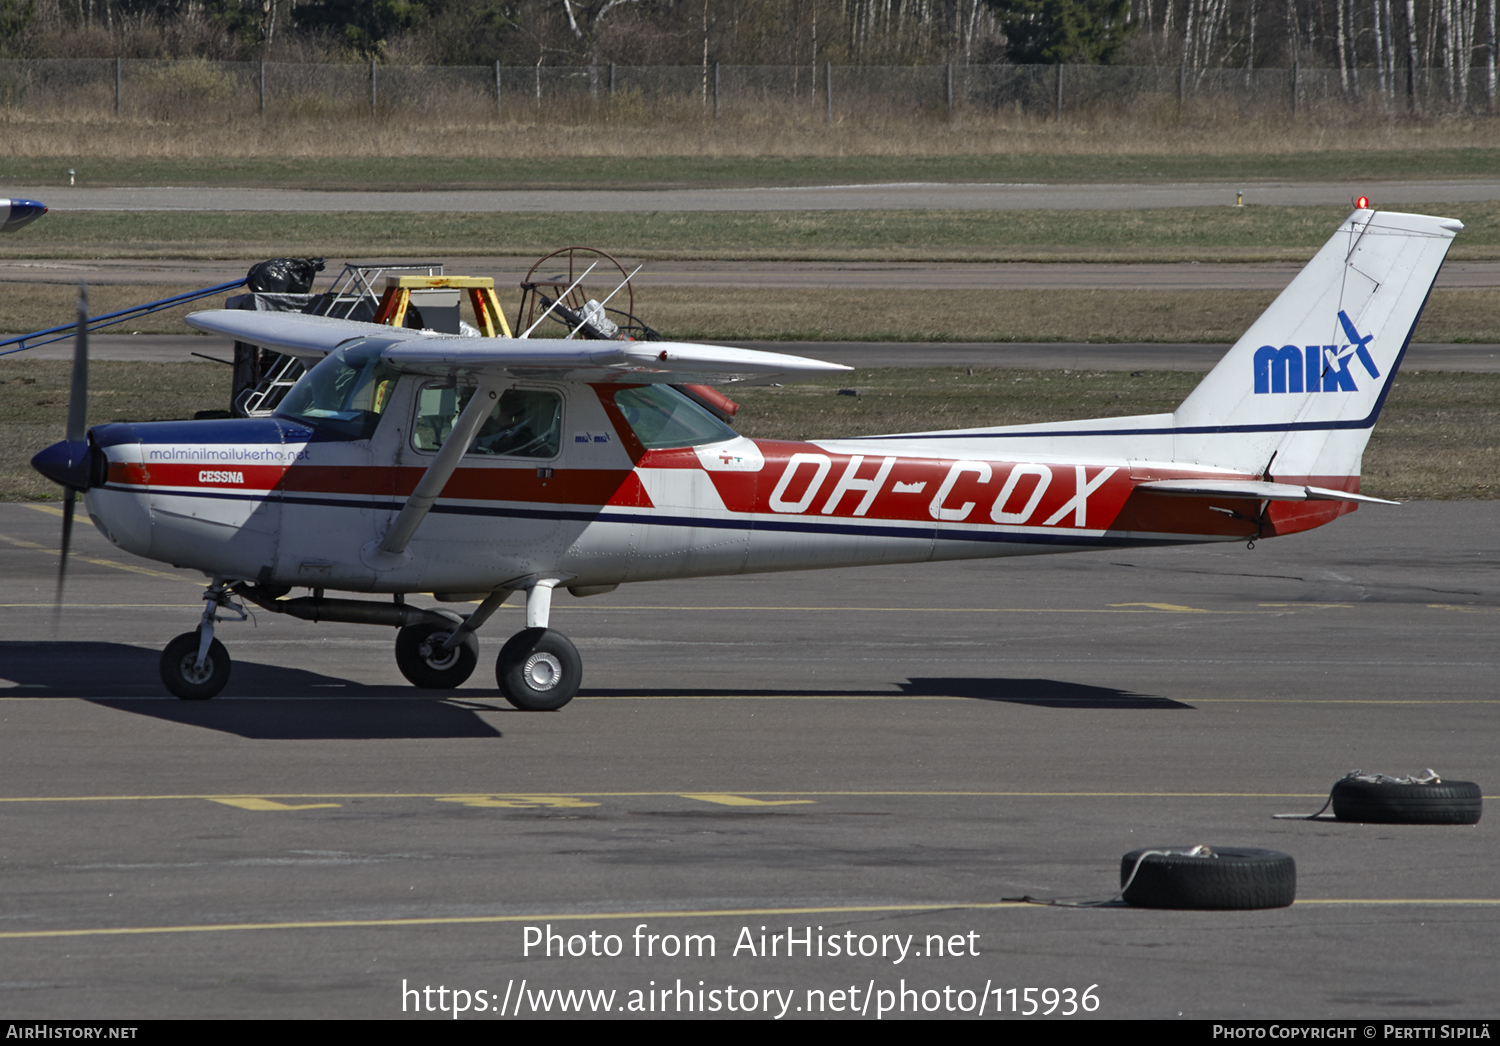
x=391, y=550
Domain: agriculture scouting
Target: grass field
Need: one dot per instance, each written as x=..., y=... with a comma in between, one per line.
x=774, y=314
x=1320, y=160
x=1437, y=437
x=1242, y=234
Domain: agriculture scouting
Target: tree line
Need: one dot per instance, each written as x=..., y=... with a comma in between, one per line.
x=1373, y=43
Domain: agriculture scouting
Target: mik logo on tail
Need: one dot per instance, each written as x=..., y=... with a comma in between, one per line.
x=1318, y=368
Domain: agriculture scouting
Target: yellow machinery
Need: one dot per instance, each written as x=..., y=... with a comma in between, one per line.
x=398, y=298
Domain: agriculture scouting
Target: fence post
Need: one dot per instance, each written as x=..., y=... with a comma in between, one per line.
x=1296, y=88
x=118, y=64
x=1057, y=105
x=498, y=109
x=716, y=90
x=263, y=88
x=1181, y=86
x=372, y=88
x=950, y=88
x=828, y=91
x=611, y=78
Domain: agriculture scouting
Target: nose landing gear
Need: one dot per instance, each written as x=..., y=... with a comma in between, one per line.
x=189, y=676
x=195, y=665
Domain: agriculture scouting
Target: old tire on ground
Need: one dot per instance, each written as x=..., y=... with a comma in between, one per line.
x=1386, y=802
x=1233, y=878
x=425, y=664
x=538, y=670
x=180, y=674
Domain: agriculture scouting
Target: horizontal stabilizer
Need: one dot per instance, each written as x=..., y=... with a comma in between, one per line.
x=1253, y=488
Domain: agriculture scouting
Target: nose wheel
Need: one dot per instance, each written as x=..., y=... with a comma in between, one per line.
x=187, y=675
x=539, y=670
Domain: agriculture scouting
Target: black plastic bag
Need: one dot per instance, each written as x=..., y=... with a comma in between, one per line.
x=284, y=275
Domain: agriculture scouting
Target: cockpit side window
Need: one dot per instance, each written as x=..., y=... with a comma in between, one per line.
x=525, y=423
x=662, y=418
x=345, y=394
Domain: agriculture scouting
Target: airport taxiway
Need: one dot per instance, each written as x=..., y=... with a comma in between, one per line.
x=885, y=752
x=938, y=196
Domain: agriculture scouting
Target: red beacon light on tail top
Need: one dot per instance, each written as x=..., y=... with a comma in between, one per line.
x=1362, y=203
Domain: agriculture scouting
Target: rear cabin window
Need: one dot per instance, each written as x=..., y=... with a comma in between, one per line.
x=662, y=418
x=525, y=423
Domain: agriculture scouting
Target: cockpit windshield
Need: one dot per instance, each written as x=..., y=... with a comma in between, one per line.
x=662, y=417
x=346, y=393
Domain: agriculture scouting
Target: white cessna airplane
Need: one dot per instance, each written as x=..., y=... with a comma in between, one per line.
x=476, y=468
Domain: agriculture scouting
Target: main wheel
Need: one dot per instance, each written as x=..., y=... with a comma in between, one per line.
x=424, y=662
x=1388, y=802
x=182, y=676
x=538, y=670
x=1227, y=879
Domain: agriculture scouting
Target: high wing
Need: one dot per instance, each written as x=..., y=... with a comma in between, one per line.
x=636, y=362
x=296, y=334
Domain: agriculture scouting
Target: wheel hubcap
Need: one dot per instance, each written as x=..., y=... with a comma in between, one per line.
x=433, y=653
x=197, y=676
x=542, y=671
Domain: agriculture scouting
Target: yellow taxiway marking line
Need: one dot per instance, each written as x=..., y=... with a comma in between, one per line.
x=99, y=562
x=93, y=606
x=573, y=798
x=702, y=913
x=55, y=511
x=723, y=799
x=248, y=803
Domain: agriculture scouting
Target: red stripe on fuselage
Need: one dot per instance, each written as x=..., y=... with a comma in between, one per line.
x=803, y=480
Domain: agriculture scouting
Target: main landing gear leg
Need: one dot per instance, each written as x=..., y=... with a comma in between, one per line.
x=538, y=669
x=195, y=665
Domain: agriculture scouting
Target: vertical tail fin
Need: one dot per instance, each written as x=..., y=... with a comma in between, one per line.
x=1306, y=382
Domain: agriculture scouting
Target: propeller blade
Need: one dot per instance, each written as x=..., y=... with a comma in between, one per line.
x=78, y=395
x=70, y=496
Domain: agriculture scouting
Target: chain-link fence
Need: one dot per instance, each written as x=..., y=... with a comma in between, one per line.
x=194, y=90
